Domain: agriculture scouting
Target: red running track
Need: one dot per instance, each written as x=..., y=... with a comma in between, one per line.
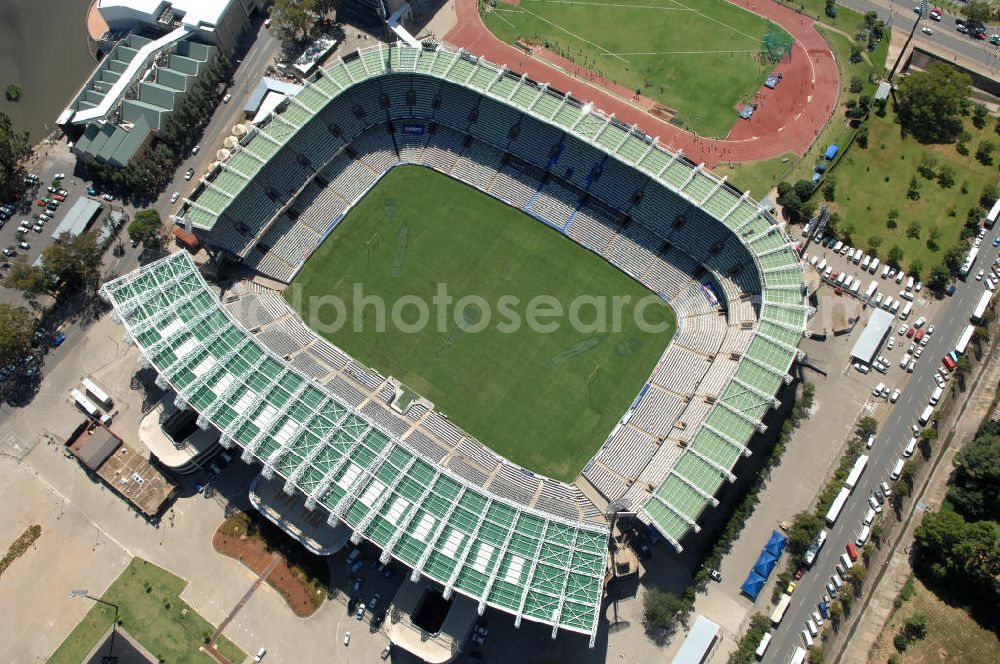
x=788, y=118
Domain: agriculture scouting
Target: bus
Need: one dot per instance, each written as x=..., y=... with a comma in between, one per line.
x=980, y=310
x=779, y=611
x=991, y=218
x=814, y=548
x=765, y=641
x=799, y=656
x=85, y=404
x=970, y=260
x=855, y=474
x=838, y=504
x=963, y=341
x=96, y=393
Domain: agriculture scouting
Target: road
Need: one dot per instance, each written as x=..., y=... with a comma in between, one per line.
x=945, y=36
x=951, y=320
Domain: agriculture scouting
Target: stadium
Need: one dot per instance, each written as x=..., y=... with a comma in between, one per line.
x=404, y=476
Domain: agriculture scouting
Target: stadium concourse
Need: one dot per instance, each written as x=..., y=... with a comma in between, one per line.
x=526, y=545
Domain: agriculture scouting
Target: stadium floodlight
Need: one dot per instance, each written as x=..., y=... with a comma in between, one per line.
x=110, y=658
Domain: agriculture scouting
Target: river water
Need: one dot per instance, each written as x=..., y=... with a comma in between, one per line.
x=43, y=48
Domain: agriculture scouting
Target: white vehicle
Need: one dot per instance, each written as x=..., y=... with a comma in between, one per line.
x=938, y=380
x=887, y=303
x=765, y=641
x=990, y=285
x=906, y=295
x=260, y=654
x=899, y=277
x=779, y=610
x=878, y=300
x=877, y=390
x=865, y=262
x=901, y=331
x=838, y=581
x=837, y=247
x=811, y=626
x=347, y=638
x=798, y=657
x=838, y=505
x=895, y=395
x=905, y=313
x=828, y=271
x=813, y=260
x=979, y=275
x=863, y=535
x=175, y=196
x=821, y=266
x=903, y=362
x=926, y=415
x=862, y=368
x=817, y=618
x=909, y=283
x=910, y=447
x=891, y=343
x=855, y=474
x=807, y=637
x=919, y=323
x=870, y=442
x=885, y=271
x=936, y=396
x=814, y=547
x=930, y=330
x=873, y=268
x=875, y=505
x=869, y=516
x=912, y=365
x=897, y=470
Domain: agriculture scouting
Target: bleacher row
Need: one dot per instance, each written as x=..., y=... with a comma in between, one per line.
x=635, y=249
x=655, y=214
x=266, y=314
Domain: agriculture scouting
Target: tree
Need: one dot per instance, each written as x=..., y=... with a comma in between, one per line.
x=804, y=529
x=867, y=426
x=16, y=332
x=930, y=103
x=70, y=263
x=913, y=230
x=13, y=92
x=984, y=153
x=913, y=191
x=963, y=367
x=950, y=551
x=975, y=490
x=915, y=626
x=928, y=165
x=989, y=196
x=830, y=189
x=146, y=228
x=14, y=147
x=661, y=608
x=938, y=278
x=978, y=12
x=979, y=113
x=946, y=176
x=856, y=83
x=293, y=20
x=916, y=267
x=932, y=238
x=953, y=258
x=745, y=649
x=874, y=242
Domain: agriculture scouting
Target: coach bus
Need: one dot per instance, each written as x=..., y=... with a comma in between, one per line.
x=963, y=341
x=970, y=260
x=85, y=404
x=837, y=506
x=855, y=474
x=96, y=393
x=991, y=218
x=814, y=547
x=984, y=302
x=799, y=656
x=779, y=611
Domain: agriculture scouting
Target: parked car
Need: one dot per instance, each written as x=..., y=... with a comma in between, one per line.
x=58, y=176
x=175, y=196
x=108, y=197
x=188, y=174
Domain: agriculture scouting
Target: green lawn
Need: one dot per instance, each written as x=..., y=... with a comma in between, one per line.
x=759, y=177
x=151, y=610
x=544, y=400
x=873, y=181
x=695, y=56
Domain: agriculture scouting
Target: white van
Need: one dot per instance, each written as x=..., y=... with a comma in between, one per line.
x=857, y=256
x=894, y=308
x=856, y=286
x=807, y=638
x=910, y=446
x=877, y=391
x=926, y=415
x=845, y=560
x=837, y=581
x=885, y=271
x=905, y=313
x=873, y=268
x=897, y=470
x=936, y=396
x=887, y=304
x=906, y=295
x=869, y=517
x=811, y=626
x=865, y=262
x=909, y=283
x=900, y=277
x=863, y=535
x=837, y=247
x=821, y=266
x=827, y=272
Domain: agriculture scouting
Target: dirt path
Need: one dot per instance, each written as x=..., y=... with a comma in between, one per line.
x=787, y=119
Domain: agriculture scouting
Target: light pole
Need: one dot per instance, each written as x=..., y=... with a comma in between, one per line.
x=110, y=658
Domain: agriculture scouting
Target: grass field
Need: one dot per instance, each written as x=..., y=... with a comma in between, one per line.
x=151, y=610
x=873, y=181
x=953, y=637
x=695, y=56
x=544, y=400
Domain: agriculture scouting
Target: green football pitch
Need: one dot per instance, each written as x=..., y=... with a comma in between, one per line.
x=546, y=399
x=694, y=56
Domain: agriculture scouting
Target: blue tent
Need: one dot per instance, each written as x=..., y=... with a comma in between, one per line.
x=831, y=152
x=753, y=585
x=776, y=544
x=765, y=564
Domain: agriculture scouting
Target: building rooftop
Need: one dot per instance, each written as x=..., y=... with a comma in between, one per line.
x=78, y=217
x=191, y=12
x=873, y=335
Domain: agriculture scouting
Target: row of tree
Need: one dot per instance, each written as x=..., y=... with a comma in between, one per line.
x=957, y=549
x=294, y=22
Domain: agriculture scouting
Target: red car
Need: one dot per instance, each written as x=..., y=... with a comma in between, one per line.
x=948, y=362
x=909, y=333
x=920, y=335
x=852, y=553
x=40, y=203
x=58, y=197
x=799, y=572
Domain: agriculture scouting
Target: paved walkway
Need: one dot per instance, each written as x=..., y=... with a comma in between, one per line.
x=788, y=120
x=871, y=621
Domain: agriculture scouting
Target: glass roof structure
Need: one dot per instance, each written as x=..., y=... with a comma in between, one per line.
x=525, y=562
